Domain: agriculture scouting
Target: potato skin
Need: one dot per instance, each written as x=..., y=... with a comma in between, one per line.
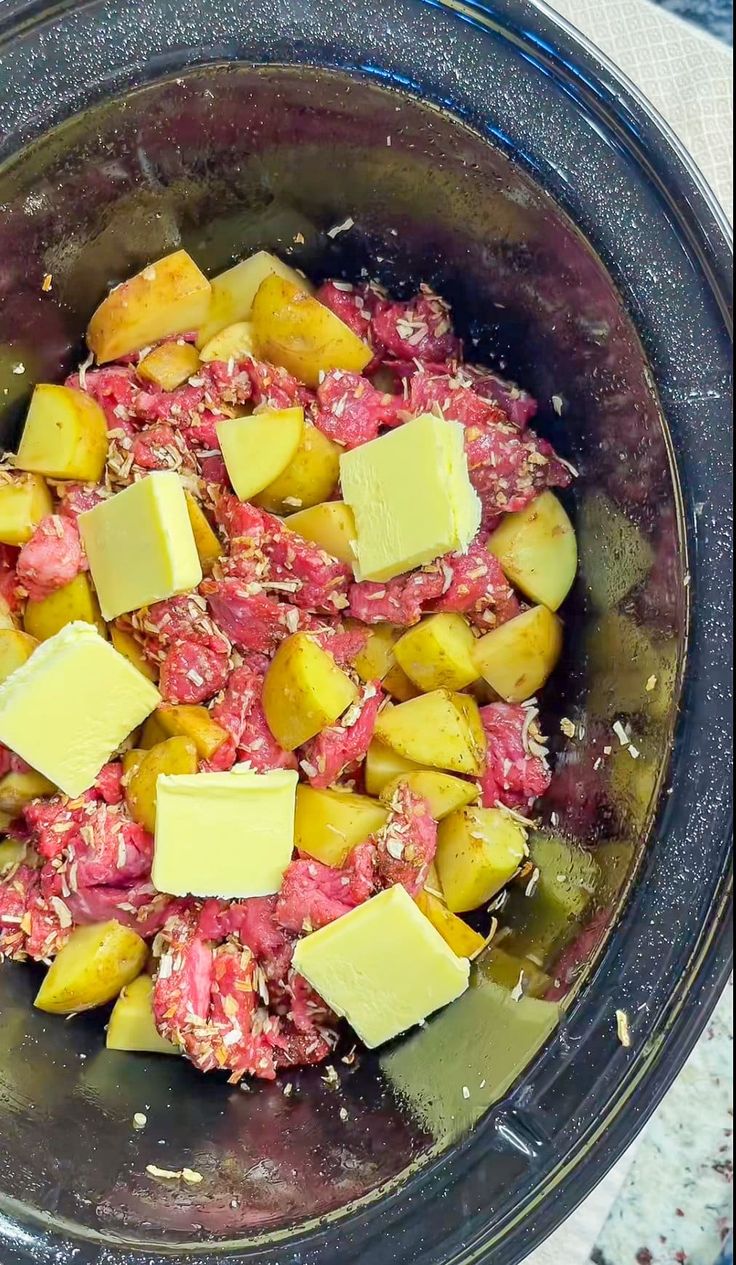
x=24, y=502
x=65, y=435
x=175, y=755
x=258, y=449
x=296, y=331
x=233, y=293
x=18, y=789
x=331, y=525
x=538, y=551
x=132, y=1027
x=311, y=477
x=377, y=661
x=206, y=540
x=16, y=648
x=188, y=720
x=443, y=792
x=235, y=342
x=168, y=298
x=170, y=365
x=126, y=645
x=479, y=850
x=461, y=938
x=442, y=729
x=438, y=653
x=304, y=691
x=76, y=600
x=382, y=765
x=95, y=963
x=518, y=658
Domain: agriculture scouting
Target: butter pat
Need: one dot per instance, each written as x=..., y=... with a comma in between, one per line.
x=140, y=545
x=383, y=967
x=70, y=706
x=411, y=497
x=224, y=834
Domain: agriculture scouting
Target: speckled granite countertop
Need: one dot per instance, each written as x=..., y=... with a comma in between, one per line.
x=715, y=15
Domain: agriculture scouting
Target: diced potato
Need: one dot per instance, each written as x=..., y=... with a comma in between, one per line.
x=309, y=478
x=304, y=691
x=7, y=618
x=442, y=729
x=510, y=971
x=24, y=501
x=170, y=365
x=538, y=551
x=76, y=600
x=329, y=824
x=258, y=449
x=518, y=658
x=15, y=649
x=233, y=343
x=438, y=653
x=294, y=330
x=169, y=297
x=187, y=720
x=479, y=851
x=330, y=525
x=174, y=755
x=126, y=644
x=543, y=924
x=18, y=789
x=382, y=765
x=377, y=661
x=132, y=760
x=233, y=291
x=132, y=1026
x=630, y=672
x=443, y=792
x=615, y=555
x=152, y=733
x=94, y=965
x=461, y=938
x=208, y=544
x=12, y=853
x=64, y=437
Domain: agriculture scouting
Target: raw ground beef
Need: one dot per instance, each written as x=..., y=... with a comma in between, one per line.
x=351, y=411
x=52, y=558
x=406, y=846
x=517, y=772
x=340, y=747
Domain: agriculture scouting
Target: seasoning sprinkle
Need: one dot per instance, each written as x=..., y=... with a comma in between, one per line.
x=624, y=1032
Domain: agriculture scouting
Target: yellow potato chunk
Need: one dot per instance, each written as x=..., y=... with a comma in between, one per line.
x=7, y=618
x=65, y=435
x=538, y=551
x=518, y=658
x=438, y=653
x=460, y=937
x=15, y=648
x=76, y=600
x=126, y=644
x=206, y=540
x=132, y=1026
x=331, y=526
x=377, y=661
x=132, y=761
x=442, y=729
x=233, y=292
x=168, y=298
x=329, y=824
x=382, y=765
x=479, y=850
x=258, y=449
x=294, y=330
x=309, y=478
x=12, y=852
x=187, y=720
x=152, y=733
x=18, y=789
x=304, y=691
x=24, y=501
x=174, y=755
x=443, y=792
x=94, y=965
x=233, y=343
x=170, y=365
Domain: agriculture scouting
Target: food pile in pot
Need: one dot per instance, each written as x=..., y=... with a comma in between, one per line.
x=280, y=573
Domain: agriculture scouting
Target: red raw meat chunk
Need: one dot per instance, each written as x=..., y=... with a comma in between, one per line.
x=240, y=712
x=406, y=845
x=351, y=410
x=9, y=579
x=51, y=558
x=418, y=329
x=353, y=304
x=214, y=471
x=114, y=390
x=477, y=587
x=139, y=906
x=344, y=645
x=307, y=1034
x=103, y=848
x=192, y=673
x=247, y=1034
x=159, y=447
x=442, y=395
x=398, y=601
x=509, y=469
x=313, y=895
x=254, y=923
x=516, y=772
x=338, y=747
x=10, y=762
x=254, y=622
x=308, y=1011
x=109, y=783
x=519, y=406
x=173, y=622
x=275, y=388
x=30, y=926
x=183, y=983
x=77, y=498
